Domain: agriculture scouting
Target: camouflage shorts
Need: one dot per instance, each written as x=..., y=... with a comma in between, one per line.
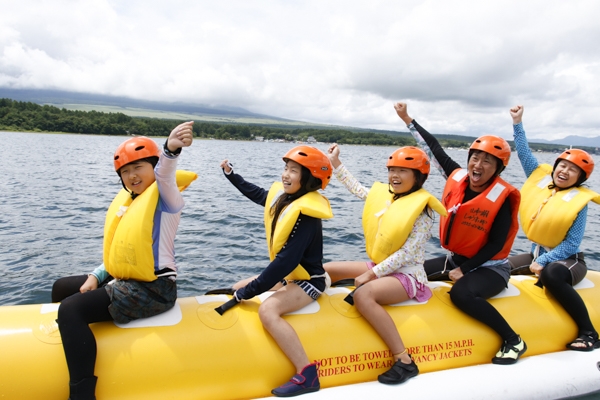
x=131, y=299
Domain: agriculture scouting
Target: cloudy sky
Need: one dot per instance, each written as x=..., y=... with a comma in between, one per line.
x=460, y=65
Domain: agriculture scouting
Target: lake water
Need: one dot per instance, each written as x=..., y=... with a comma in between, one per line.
x=55, y=190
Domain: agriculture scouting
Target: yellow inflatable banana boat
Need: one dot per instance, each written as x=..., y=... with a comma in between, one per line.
x=192, y=352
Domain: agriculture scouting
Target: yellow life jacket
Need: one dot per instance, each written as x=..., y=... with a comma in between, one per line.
x=312, y=204
x=128, y=232
x=387, y=224
x=546, y=218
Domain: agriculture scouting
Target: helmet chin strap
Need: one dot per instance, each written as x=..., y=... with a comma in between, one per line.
x=133, y=195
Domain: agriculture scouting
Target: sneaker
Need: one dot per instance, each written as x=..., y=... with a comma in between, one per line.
x=510, y=353
x=399, y=373
x=305, y=382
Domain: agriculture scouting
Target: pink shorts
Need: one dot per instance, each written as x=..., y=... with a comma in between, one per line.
x=414, y=289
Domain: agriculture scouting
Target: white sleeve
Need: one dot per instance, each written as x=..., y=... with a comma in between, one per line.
x=170, y=196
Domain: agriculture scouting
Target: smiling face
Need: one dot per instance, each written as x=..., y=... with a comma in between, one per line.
x=482, y=167
x=137, y=176
x=566, y=174
x=401, y=179
x=291, y=177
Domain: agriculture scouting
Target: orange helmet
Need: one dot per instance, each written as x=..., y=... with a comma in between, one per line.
x=135, y=149
x=493, y=145
x=410, y=157
x=580, y=158
x=314, y=160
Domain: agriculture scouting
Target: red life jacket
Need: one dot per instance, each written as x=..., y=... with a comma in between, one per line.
x=467, y=227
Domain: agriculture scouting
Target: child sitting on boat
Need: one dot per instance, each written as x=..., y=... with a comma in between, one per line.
x=139, y=234
x=293, y=213
x=397, y=221
x=553, y=215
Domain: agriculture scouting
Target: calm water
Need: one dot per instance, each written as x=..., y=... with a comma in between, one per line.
x=56, y=189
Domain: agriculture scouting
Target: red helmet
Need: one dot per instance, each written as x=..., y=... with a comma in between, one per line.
x=314, y=159
x=493, y=145
x=135, y=149
x=410, y=157
x=580, y=158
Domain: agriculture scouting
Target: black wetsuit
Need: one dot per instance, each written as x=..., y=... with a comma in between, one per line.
x=304, y=246
x=479, y=283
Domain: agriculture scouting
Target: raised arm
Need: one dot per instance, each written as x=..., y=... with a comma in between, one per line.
x=170, y=196
x=250, y=190
x=344, y=176
x=526, y=157
x=442, y=161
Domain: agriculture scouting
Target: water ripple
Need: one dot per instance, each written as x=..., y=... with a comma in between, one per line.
x=52, y=211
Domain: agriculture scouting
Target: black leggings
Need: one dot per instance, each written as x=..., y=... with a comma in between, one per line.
x=557, y=279
x=470, y=292
x=69, y=285
x=75, y=314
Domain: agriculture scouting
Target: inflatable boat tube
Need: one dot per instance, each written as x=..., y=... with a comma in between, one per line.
x=192, y=352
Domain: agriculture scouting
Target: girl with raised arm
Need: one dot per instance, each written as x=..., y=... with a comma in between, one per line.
x=293, y=213
x=397, y=221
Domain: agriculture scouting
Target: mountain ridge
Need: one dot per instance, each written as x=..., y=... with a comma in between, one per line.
x=218, y=113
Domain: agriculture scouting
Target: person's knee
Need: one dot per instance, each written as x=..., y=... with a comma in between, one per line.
x=363, y=298
x=461, y=298
x=66, y=311
x=61, y=289
x=267, y=314
x=555, y=274
x=56, y=291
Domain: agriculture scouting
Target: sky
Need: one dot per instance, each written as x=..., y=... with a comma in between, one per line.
x=459, y=65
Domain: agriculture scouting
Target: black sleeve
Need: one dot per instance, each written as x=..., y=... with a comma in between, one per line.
x=288, y=258
x=250, y=190
x=445, y=161
x=496, y=239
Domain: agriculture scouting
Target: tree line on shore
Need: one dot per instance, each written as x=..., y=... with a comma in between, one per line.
x=31, y=117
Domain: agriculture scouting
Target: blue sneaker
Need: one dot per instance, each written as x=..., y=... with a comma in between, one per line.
x=305, y=382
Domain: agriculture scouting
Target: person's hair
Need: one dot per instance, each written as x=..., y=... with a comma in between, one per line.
x=420, y=179
x=152, y=160
x=582, y=177
x=306, y=183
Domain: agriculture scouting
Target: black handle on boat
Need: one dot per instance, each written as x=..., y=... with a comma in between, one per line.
x=226, y=306
x=539, y=283
x=229, y=291
x=350, y=298
x=344, y=282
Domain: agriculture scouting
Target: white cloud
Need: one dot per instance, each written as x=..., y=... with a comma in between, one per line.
x=460, y=64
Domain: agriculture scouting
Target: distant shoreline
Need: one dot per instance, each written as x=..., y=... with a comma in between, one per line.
x=237, y=140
